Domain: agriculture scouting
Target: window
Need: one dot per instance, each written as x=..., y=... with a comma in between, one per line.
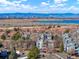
x=69, y=36
x=67, y=41
x=38, y=43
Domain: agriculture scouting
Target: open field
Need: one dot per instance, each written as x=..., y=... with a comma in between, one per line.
x=30, y=22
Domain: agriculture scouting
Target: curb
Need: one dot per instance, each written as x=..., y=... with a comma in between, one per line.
x=59, y=56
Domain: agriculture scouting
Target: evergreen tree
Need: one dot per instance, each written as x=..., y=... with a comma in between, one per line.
x=61, y=47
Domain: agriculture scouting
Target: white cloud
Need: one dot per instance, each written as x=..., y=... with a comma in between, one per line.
x=50, y=9
x=11, y=3
x=16, y=6
x=29, y=7
x=59, y=1
x=44, y=7
x=19, y=1
x=4, y=2
x=22, y=8
x=71, y=9
x=77, y=0
x=44, y=3
x=74, y=9
x=23, y=0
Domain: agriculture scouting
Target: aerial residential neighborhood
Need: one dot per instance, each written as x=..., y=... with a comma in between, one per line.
x=39, y=29
x=56, y=41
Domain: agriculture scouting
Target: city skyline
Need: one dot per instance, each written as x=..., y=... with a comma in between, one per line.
x=39, y=6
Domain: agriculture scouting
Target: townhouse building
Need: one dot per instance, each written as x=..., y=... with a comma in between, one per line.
x=40, y=40
x=70, y=43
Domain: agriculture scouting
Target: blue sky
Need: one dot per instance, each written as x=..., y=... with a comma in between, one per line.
x=39, y=6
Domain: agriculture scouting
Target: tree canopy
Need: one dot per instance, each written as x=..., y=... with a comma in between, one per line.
x=67, y=31
x=62, y=47
x=3, y=37
x=34, y=52
x=16, y=36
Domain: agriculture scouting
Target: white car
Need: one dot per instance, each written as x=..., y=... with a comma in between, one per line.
x=22, y=58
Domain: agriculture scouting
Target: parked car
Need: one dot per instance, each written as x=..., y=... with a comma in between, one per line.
x=77, y=52
x=22, y=57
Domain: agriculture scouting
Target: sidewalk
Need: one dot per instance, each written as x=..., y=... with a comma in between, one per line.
x=64, y=56
x=61, y=55
x=75, y=57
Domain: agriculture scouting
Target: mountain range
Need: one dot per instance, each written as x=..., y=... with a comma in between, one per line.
x=37, y=15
